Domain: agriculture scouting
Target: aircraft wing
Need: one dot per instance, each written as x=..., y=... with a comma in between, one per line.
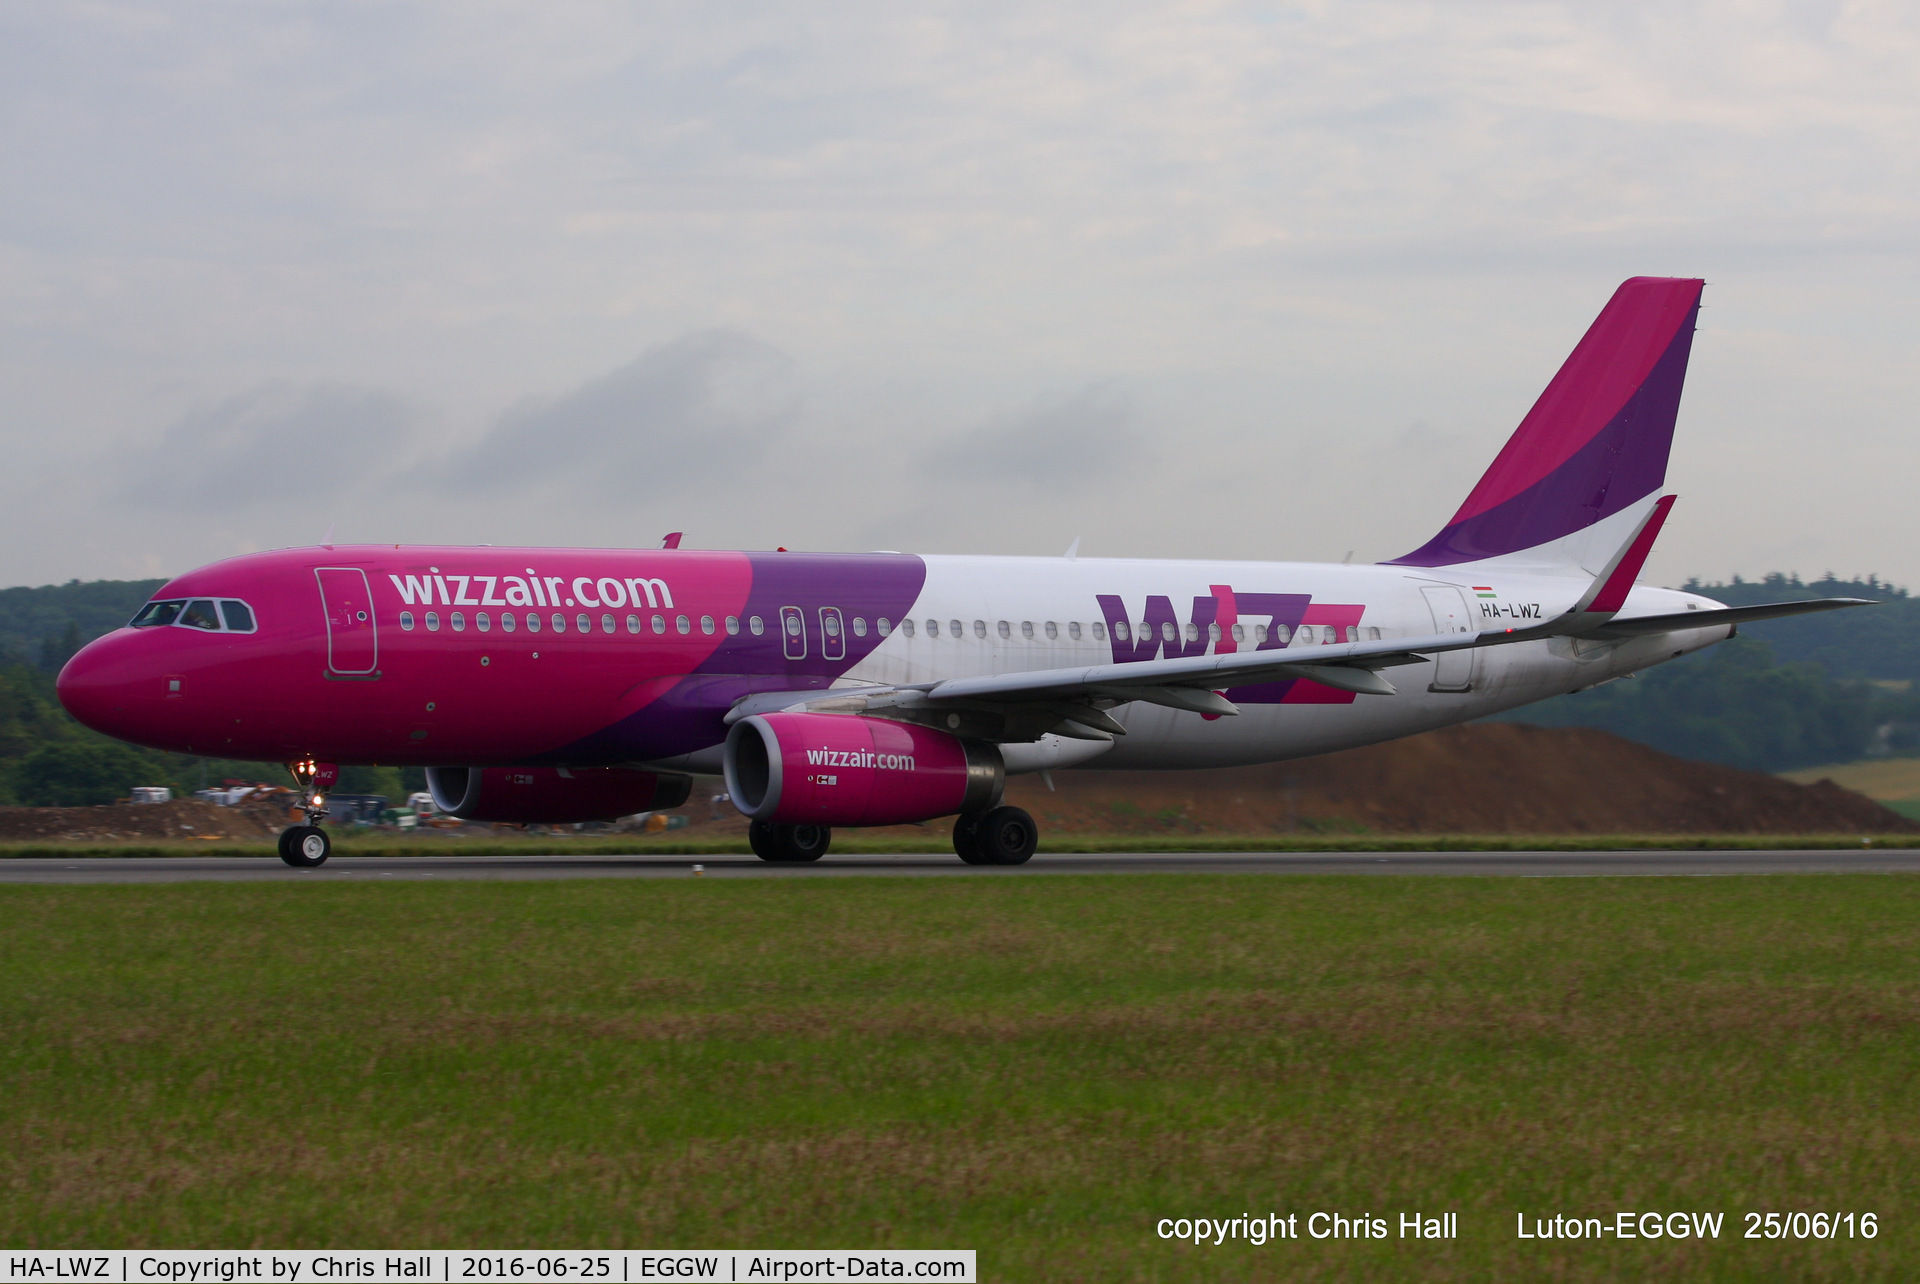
x=1077, y=698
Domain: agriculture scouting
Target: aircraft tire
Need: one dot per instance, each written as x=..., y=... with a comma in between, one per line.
x=788, y=844
x=1006, y=836
x=966, y=837
x=305, y=846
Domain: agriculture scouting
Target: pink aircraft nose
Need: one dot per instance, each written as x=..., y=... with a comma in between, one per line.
x=118, y=685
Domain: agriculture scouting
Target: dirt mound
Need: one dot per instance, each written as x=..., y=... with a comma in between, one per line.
x=1483, y=778
x=181, y=818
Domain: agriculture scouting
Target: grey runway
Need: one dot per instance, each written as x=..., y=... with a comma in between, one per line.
x=1470, y=864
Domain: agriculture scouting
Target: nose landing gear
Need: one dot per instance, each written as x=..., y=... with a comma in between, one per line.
x=307, y=846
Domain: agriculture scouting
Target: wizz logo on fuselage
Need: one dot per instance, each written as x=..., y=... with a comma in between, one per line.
x=1220, y=622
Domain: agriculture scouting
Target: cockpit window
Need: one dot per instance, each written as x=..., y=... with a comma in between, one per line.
x=155, y=614
x=199, y=615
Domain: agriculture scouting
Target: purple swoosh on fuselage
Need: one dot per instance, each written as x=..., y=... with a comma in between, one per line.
x=868, y=587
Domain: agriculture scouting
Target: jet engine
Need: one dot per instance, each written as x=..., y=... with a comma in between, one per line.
x=840, y=769
x=552, y=796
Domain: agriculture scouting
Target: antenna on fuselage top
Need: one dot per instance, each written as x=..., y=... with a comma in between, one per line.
x=326, y=541
x=672, y=540
x=1073, y=549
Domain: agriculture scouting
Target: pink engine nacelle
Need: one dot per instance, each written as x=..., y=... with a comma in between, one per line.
x=839, y=769
x=551, y=796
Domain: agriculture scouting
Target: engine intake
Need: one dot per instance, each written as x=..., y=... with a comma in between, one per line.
x=839, y=769
x=549, y=796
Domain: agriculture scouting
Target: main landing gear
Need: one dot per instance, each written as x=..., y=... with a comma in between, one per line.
x=307, y=846
x=1003, y=836
x=788, y=844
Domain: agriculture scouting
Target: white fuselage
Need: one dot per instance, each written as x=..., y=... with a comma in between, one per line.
x=1018, y=614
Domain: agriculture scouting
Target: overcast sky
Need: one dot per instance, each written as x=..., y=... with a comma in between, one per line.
x=1263, y=281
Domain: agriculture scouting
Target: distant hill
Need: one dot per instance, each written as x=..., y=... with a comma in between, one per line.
x=1875, y=642
x=40, y=625
x=1784, y=694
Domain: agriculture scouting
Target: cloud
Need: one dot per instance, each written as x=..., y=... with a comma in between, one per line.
x=704, y=406
x=325, y=442
x=1057, y=444
x=1281, y=230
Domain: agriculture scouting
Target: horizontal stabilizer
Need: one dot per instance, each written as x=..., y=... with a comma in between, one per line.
x=1640, y=626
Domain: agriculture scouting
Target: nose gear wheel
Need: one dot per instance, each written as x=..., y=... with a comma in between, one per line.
x=307, y=846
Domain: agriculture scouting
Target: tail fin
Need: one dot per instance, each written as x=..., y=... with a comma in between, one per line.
x=1592, y=453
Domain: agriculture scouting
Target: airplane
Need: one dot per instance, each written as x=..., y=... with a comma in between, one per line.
x=554, y=685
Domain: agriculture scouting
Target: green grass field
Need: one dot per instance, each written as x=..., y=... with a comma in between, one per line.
x=1036, y=1068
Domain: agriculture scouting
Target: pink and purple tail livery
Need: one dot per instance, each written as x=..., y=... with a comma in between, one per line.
x=1595, y=442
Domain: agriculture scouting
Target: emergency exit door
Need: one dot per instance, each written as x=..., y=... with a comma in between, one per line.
x=353, y=641
x=1452, y=670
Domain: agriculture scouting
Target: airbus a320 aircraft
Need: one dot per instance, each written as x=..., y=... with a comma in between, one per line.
x=557, y=685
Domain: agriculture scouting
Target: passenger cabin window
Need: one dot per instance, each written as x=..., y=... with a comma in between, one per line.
x=1100, y=632
x=633, y=624
x=239, y=616
x=533, y=621
x=606, y=624
x=659, y=623
x=1073, y=630
x=884, y=627
x=559, y=622
x=583, y=622
x=199, y=615
x=683, y=625
x=1119, y=630
x=859, y=627
x=459, y=622
x=1053, y=631
x=979, y=628
x=433, y=621
x=755, y=626
x=954, y=627
x=1004, y=629
x=706, y=624
x=507, y=621
x=1026, y=629
x=155, y=614
x=1239, y=633
x=482, y=621
x=406, y=620
x=733, y=626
